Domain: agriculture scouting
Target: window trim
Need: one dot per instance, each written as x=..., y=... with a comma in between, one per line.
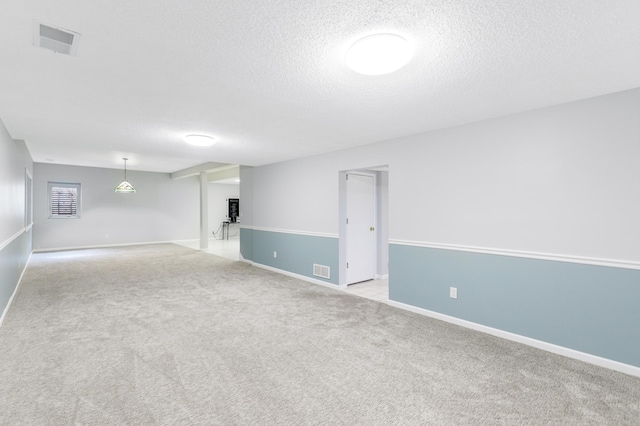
x=51, y=185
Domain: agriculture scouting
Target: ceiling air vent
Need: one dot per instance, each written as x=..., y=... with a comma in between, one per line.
x=56, y=39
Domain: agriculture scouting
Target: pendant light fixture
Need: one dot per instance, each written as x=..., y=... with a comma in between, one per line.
x=125, y=187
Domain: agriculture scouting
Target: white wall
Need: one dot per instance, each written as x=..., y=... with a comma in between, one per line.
x=162, y=209
x=218, y=194
x=246, y=195
x=560, y=180
x=12, y=181
x=557, y=180
x=382, y=226
x=302, y=195
x=296, y=195
x=15, y=232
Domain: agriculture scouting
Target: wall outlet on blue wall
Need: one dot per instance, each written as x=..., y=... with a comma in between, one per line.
x=453, y=292
x=275, y=254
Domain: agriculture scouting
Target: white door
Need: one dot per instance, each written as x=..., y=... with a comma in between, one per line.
x=360, y=228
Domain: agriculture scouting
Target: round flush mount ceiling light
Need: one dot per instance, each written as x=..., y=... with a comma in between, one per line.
x=199, y=140
x=379, y=54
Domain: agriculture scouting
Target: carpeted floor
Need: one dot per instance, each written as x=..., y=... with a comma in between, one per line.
x=163, y=334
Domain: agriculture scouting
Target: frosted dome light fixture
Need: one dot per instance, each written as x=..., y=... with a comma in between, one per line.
x=199, y=140
x=379, y=54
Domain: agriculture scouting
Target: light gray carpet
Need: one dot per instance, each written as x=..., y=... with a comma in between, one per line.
x=163, y=334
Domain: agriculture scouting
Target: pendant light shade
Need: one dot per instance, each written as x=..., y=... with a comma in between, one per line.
x=125, y=187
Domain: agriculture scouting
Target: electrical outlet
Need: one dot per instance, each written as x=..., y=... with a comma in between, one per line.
x=275, y=254
x=453, y=292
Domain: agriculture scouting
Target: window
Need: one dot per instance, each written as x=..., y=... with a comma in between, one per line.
x=64, y=200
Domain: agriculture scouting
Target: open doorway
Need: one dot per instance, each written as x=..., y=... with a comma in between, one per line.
x=219, y=207
x=223, y=221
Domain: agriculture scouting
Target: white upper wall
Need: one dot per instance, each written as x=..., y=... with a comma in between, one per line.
x=298, y=195
x=302, y=194
x=246, y=195
x=162, y=209
x=13, y=162
x=560, y=180
x=557, y=180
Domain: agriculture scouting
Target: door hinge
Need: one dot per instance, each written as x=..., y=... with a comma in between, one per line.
x=347, y=265
x=347, y=221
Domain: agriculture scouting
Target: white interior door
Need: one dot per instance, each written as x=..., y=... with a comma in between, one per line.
x=360, y=228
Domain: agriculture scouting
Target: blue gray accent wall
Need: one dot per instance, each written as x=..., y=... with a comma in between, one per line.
x=246, y=243
x=588, y=308
x=13, y=260
x=296, y=253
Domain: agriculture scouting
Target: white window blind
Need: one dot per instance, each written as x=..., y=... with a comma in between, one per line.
x=64, y=200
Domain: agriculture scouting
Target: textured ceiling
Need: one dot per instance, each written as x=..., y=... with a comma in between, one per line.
x=267, y=77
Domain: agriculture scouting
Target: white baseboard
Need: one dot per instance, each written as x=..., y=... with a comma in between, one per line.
x=549, y=347
x=46, y=250
x=15, y=291
x=291, y=274
x=382, y=277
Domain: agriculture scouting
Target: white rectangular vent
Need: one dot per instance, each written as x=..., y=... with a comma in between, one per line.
x=321, y=271
x=56, y=39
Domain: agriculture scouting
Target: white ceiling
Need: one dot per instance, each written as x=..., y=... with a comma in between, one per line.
x=267, y=78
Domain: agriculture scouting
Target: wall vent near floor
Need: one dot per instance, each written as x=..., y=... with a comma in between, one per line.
x=321, y=271
x=56, y=39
